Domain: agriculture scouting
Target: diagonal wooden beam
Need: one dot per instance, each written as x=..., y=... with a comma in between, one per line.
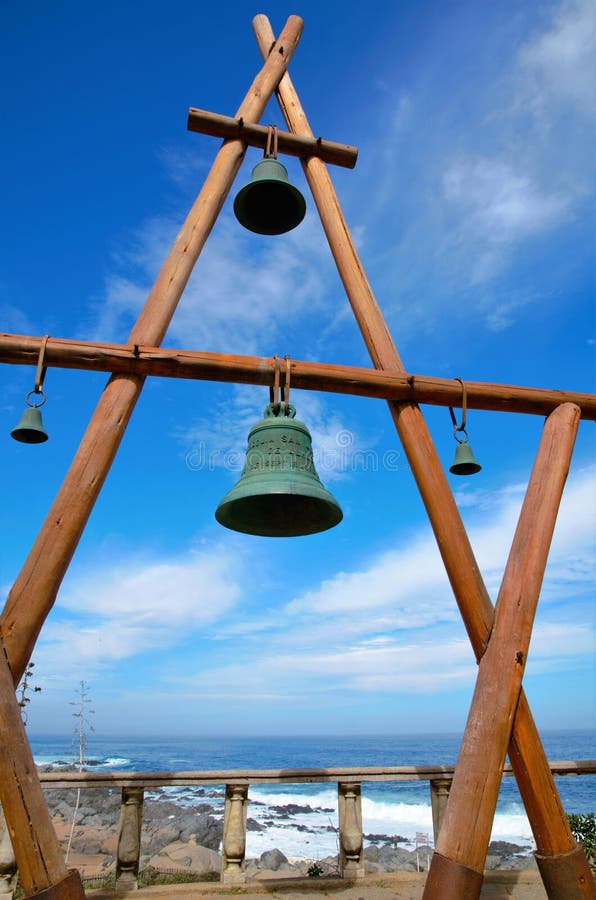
x=39, y=858
x=34, y=591
x=456, y=870
x=537, y=787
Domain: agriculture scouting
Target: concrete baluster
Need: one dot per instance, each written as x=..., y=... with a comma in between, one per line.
x=351, y=851
x=234, y=836
x=8, y=863
x=129, y=840
x=439, y=795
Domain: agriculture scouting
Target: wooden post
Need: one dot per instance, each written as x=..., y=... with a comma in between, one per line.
x=545, y=811
x=351, y=849
x=439, y=795
x=234, y=836
x=129, y=838
x=464, y=838
x=34, y=591
x=39, y=858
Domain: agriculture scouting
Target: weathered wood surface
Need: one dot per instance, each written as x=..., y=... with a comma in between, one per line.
x=126, y=359
x=34, y=591
x=38, y=855
x=203, y=122
x=149, y=780
x=545, y=811
x=469, y=815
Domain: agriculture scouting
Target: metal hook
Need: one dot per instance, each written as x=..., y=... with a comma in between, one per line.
x=274, y=391
x=40, y=373
x=271, y=140
x=287, y=384
x=464, y=406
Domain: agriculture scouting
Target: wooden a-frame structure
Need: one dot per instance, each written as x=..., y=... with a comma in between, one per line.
x=500, y=720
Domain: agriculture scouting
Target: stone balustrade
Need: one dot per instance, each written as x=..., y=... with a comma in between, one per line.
x=237, y=782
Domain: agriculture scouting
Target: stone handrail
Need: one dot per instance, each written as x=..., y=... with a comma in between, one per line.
x=237, y=782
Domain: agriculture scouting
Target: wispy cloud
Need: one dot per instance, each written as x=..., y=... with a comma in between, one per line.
x=461, y=190
x=123, y=609
x=497, y=209
x=220, y=440
x=389, y=625
x=243, y=295
x=556, y=67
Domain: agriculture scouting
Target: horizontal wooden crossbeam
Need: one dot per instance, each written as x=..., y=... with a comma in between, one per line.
x=203, y=122
x=202, y=366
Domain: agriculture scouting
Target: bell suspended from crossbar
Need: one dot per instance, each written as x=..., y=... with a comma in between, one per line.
x=464, y=462
x=269, y=204
x=30, y=429
x=279, y=493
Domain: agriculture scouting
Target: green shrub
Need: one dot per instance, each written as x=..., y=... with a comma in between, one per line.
x=314, y=871
x=583, y=829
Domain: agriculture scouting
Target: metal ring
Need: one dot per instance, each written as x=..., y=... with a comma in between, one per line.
x=463, y=440
x=39, y=393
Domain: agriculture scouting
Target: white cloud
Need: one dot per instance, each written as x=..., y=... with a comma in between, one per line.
x=406, y=589
x=243, y=295
x=557, y=66
x=188, y=591
x=390, y=624
x=560, y=643
x=114, y=612
x=220, y=440
x=505, y=205
x=472, y=194
x=396, y=667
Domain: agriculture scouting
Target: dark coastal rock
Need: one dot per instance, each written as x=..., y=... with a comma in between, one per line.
x=386, y=839
x=291, y=809
x=505, y=848
x=253, y=825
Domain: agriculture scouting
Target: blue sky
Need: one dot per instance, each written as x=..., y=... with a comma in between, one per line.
x=472, y=206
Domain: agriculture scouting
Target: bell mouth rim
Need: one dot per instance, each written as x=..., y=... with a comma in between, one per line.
x=262, y=486
x=334, y=517
x=272, y=229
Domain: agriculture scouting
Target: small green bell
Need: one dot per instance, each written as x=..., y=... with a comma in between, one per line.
x=464, y=462
x=279, y=493
x=30, y=429
x=269, y=204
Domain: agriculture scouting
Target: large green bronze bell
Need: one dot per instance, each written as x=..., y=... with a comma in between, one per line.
x=269, y=204
x=279, y=493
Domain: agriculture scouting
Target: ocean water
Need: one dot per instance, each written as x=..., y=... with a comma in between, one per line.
x=311, y=830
